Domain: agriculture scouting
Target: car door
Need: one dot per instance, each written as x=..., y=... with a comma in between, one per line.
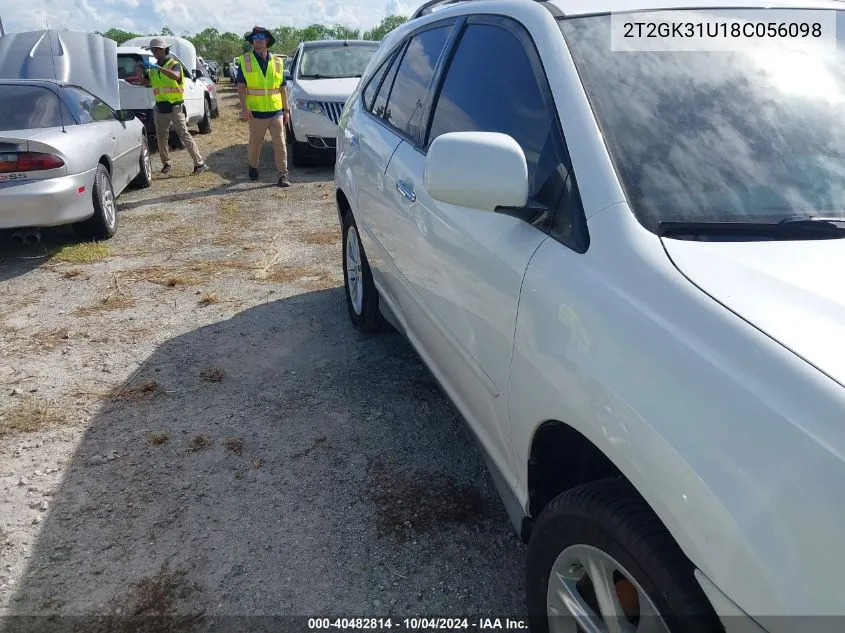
x=395, y=115
x=465, y=267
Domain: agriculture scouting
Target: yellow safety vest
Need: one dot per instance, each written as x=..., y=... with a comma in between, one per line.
x=165, y=88
x=262, y=90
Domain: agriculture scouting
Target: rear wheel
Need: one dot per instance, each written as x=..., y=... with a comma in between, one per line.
x=145, y=173
x=205, y=122
x=103, y=224
x=361, y=295
x=599, y=559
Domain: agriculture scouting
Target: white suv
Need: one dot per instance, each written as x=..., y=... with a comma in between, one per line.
x=322, y=75
x=615, y=265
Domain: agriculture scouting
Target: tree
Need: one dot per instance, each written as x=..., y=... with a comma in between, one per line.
x=386, y=26
x=341, y=32
x=118, y=35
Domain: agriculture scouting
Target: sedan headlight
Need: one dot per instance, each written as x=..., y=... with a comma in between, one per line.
x=310, y=106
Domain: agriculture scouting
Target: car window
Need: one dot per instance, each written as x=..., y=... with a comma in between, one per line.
x=373, y=84
x=379, y=107
x=491, y=86
x=408, y=89
x=86, y=107
x=335, y=62
x=28, y=108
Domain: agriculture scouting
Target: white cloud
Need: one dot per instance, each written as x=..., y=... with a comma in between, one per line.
x=146, y=16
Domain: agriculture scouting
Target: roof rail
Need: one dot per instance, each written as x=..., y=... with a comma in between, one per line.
x=431, y=5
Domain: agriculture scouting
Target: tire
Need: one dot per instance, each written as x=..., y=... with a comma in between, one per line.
x=145, y=172
x=609, y=516
x=205, y=122
x=215, y=113
x=298, y=151
x=365, y=313
x=103, y=224
x=174, y=141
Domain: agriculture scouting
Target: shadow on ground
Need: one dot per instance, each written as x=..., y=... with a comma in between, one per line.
x=278, y=464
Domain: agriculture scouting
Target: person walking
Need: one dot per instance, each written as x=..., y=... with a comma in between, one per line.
x=167, y=79
x=261, y=80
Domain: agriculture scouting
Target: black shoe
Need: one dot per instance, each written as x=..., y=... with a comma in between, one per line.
x=253, y=173
x=166, y=169
x=283, y=182
x=201, y=169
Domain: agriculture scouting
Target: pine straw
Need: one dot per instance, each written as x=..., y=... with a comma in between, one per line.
x=109, y=303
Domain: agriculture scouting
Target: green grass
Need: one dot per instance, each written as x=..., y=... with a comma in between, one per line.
x=82, y=253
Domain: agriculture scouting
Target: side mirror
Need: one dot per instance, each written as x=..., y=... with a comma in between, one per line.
x=479, y=170
x=124, y=115
x=287, y=76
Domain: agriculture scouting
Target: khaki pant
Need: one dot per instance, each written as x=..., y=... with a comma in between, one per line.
x=257, y=131
x=177, y=120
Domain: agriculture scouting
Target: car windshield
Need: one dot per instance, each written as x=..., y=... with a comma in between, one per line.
x=335, y=61
x=723, y=136
x=28, y=108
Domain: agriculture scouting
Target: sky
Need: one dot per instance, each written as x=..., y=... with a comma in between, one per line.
x=192, y=16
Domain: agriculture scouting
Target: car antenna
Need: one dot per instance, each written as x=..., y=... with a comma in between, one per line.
x=55, y=73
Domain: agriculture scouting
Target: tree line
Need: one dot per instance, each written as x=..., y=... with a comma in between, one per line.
x=212, y=44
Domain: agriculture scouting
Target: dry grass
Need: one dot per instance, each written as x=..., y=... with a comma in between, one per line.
x=200, y=443
x=156, y=439
x=311, y=279
x=49, y=339
x=209, y=298
x=322, y=237
x=111, y=302
x=212, y=374
x=10, y=306
x=70, y=274
x=82, y=253
x=146, y=389
x=152, y=217
x=160, y=598
x=28, y=416
x=234, y=445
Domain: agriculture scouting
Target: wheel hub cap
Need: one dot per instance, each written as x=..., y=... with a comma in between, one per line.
x=107, y=199
x=590, y=592
x=354, y=279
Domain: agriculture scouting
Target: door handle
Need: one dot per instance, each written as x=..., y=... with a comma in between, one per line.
x=406, y=190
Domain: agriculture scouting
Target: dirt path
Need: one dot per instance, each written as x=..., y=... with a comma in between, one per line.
x=191, y=426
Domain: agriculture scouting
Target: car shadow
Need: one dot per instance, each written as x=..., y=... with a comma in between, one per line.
x=277, y=463
x=19, y=259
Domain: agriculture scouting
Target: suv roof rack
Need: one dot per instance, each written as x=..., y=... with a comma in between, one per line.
x=430, y=5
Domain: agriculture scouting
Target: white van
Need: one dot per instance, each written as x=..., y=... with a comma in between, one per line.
x=139, y=99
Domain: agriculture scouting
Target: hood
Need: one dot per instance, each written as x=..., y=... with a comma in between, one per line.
x=84, y=59
x=327, y=89
x=791, y=290
x=180, y=48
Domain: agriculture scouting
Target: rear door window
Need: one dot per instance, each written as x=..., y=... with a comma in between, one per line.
x=86, y=107
x=28, y=108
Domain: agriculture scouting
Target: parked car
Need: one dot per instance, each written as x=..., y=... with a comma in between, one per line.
x=322, y=76
x=139, y=99
x=623, y=269
x=67, y=150
x=203, y=77
x=233, y=70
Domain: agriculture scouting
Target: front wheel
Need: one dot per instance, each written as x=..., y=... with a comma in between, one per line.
x=103, y=224
x=599, y=559
x=145, y=169
x=361, y=295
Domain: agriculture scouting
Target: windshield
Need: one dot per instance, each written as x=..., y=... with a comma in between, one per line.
x=335, y=61
x=28, y=108
x=698, y=136
x=126, y=64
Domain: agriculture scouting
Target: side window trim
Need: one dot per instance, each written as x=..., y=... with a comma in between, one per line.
x=384, y=68
x=399, y=57
x=580, y=241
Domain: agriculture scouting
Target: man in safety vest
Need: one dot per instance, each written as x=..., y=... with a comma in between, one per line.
x=261, y=79
x=167, y=79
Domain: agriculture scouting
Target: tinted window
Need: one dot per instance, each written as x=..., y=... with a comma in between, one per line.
x=745, y=135
x=379, y=107
x=491, y=86
x=407, y=94
x=28, y=108
x=86, y=107
x=373, y=84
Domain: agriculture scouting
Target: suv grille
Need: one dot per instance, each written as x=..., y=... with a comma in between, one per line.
x=332, y=109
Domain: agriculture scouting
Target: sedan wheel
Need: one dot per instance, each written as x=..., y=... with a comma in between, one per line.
x=103, y=223
x=145, y=168
x=354, y=281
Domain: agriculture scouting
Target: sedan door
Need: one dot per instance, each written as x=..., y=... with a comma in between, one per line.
x=465, y=267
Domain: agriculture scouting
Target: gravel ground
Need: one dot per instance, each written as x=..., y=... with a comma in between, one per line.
x=190, y=426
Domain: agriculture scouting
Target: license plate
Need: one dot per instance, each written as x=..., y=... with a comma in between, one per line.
x=14, y=177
